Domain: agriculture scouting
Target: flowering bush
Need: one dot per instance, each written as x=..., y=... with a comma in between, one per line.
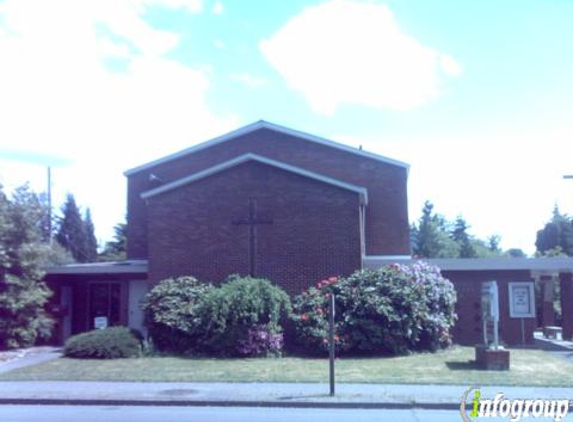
x=261, y=341
x=240, y=317
x=391, y=310
x=235, y=313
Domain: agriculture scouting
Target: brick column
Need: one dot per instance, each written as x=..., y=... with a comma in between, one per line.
x=547, y=310
x=566, y=283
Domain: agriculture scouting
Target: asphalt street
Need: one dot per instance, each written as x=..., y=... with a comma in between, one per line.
x=10, y=413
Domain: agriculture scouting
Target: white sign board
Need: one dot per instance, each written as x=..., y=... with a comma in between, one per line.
x=100, y=322
x=521, y=299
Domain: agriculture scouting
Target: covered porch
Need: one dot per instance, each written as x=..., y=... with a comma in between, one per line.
x=87, y=296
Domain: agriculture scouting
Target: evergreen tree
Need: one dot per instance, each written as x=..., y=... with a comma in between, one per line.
x=72, y=231
x=115, y=250
x=557, y=235
x=462, y=238
x=23, y=253
x=91, y=241
x=430, y=237
x=435, y=237
x=493, y=244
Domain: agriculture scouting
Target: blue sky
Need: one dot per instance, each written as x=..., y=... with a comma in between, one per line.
x=475, y=95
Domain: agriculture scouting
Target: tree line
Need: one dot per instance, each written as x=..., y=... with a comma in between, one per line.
x=433, y=236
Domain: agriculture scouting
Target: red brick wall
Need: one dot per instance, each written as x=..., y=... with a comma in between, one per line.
x=315, y=230
x=387, y=229
x=468, y=329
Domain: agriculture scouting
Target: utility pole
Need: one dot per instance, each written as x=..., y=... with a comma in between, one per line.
x=49, y=205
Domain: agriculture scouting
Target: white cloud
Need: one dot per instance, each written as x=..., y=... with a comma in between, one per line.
x=60, y=96
x=355, y=52
x=217, y=8
x=248, y=80
x=450, y=65
x=220, y=44
x=192, y=6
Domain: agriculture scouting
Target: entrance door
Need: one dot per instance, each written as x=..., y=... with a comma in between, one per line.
x=104, y=301
x=137, y=291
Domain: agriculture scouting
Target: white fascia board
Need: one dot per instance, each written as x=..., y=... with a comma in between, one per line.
x=135, y=267
x=260, y=159
x=272, y=126
x=482, y=264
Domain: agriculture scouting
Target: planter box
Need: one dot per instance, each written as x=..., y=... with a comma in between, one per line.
x=492, y=360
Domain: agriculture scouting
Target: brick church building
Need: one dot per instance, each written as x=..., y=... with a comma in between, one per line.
x=267, y=201
x=277, y=203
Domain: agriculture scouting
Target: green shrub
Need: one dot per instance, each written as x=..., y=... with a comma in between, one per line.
x=107, y=343
x=172, y=312
x=392, y=310
x=242, y=317
x=22, y=316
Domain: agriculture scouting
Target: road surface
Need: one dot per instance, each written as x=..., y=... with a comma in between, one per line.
x=12, y=413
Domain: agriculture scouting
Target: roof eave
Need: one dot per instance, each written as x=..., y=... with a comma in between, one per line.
x=271, y=126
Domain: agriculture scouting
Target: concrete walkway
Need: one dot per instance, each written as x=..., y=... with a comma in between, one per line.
x=257, y=394
x=27, y=357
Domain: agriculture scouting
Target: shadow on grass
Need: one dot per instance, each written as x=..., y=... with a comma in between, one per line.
x=470, y=365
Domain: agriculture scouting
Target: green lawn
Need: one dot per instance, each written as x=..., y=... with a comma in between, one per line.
x=455, y=366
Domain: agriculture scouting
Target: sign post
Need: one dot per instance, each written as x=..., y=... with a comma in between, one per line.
x=331, y=341
x=522, y=302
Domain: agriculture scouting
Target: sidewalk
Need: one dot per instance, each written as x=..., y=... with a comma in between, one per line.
x=399, y=396
x=26, y=357
x=257, y=394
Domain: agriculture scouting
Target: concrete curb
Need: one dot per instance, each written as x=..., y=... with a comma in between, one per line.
x=229, y=403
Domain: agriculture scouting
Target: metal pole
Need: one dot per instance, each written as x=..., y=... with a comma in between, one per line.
x=331, y=342
x=49, y=205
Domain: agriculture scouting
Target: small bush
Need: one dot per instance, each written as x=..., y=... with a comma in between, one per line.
x=172, y=312
x=392, y=310
x=107, y=343
x=261, y=342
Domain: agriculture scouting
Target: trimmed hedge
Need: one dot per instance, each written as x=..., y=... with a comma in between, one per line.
x=107, y=343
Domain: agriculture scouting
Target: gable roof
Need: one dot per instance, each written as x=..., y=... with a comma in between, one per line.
x=260, y=159
x=261, y=124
